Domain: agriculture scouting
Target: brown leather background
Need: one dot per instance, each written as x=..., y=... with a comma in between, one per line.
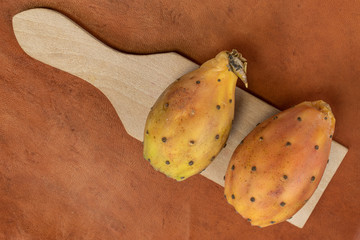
x=68, y=170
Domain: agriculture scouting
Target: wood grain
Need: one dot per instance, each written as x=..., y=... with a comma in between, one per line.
x=56, y=185
x=132, y=84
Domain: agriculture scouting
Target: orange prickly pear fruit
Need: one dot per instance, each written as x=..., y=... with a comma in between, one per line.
x=191, y=120
x=278, y=166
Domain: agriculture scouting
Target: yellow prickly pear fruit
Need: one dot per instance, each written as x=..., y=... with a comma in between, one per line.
x=191, y=120
x=278, y=166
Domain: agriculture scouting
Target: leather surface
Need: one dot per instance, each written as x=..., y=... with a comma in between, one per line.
x=68, y=170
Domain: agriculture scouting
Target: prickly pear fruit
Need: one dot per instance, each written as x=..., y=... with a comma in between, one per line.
x=191, y=120
x=278, y=166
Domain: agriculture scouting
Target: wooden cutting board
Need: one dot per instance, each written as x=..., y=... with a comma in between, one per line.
x=132, y=83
